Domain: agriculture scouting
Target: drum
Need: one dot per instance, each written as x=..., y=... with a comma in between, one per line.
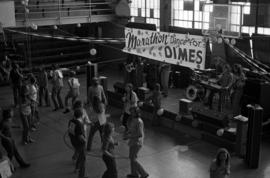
x=194, y=92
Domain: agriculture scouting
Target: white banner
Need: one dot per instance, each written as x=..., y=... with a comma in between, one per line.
x=180, y=49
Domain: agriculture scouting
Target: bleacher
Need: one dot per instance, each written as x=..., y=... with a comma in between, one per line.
x=39, y=11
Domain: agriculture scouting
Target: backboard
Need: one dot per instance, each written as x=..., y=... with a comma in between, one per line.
x=222, y=19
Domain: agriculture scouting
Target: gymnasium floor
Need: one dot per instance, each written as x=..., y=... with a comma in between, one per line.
x=164, y=155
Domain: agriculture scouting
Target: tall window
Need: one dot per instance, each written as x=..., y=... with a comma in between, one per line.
x=245, y=10
x=149, y=10
x=187, y=13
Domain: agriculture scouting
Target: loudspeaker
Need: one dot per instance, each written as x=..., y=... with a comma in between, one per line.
x=91, y=72
x=184, y=106
x=256, y=92
x=255, y=116
x=216, y=118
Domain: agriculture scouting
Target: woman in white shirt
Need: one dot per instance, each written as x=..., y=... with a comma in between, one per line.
x=33, y=93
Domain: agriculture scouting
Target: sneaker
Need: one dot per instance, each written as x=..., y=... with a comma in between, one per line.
x=25, y=165
x=55, y=109
x=145, y=176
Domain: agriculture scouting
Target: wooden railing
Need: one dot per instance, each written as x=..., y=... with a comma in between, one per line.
x=61, y=10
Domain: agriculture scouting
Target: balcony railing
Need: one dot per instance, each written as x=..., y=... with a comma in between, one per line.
x=60, y=11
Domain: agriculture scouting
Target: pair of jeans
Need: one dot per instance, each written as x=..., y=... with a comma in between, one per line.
x=156, y=120
x=125, y=120
x=164, y=79
x=34, y=114
x=26, y=127
x=95, y=127
x=71, y=94
x=56, y=97
x=135, y=166
x=12, y=151
x=80, y=162
x=16, y=94
x=44, y=94
x=110, y=163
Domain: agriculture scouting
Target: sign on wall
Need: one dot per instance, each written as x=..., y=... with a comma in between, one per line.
x=180, y=49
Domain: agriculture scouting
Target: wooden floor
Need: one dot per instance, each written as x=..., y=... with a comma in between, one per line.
x=164, y=155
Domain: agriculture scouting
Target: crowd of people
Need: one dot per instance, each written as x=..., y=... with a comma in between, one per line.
x=30, y=91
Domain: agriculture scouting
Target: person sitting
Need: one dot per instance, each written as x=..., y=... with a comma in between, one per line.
x=225, y=81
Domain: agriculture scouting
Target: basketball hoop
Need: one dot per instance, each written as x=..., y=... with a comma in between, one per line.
x=222, y=20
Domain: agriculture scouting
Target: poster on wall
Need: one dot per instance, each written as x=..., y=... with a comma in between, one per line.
x=173, y=48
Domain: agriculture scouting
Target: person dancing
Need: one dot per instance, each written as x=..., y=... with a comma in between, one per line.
x=98, y=120
x=130, y=99
x=108, y=157
x=57, y=85
x=74, y=90
x=136, y=137
x=76, y=133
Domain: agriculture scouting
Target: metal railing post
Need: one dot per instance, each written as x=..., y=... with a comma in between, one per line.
x=59, y=11
x=90, y=11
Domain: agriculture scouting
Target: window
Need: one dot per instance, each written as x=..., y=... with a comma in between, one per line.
x=147, y=9
x=187, y=13
x=245, y=10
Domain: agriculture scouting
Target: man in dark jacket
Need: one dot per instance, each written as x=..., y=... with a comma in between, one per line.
x=16, y=81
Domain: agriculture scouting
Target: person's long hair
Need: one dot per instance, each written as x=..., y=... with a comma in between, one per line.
x=77, y=104
x=97, y=104
x=130, y=86
x=219, y=152
x=238, y=69
x=107, y=130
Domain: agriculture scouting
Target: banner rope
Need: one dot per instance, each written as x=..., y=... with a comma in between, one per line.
x=80, y=39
